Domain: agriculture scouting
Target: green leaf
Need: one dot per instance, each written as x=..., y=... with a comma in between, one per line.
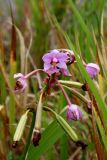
x=64, y=147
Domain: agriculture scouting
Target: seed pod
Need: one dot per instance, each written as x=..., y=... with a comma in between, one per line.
x=21, y=126
x=67, y=128
x=39, y=113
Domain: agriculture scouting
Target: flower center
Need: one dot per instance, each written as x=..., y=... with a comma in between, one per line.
x=54, y=61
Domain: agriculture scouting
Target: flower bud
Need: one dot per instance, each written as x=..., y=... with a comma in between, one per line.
x=92, y=69
x=73, y=113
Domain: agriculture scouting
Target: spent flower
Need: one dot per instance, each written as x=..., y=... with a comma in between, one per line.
x=21, y=83
x=73, y=113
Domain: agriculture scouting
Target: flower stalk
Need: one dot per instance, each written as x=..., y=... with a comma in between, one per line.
x=34, y=72
x=64, y=93
x=76, y=93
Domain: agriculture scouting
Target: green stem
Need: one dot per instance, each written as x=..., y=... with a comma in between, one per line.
x=76, y=93
x=29, y=136
x=49, y=109
x=64, y=93
x=34, y=72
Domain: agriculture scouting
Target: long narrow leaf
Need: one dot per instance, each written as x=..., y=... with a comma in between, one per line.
x=49, y=137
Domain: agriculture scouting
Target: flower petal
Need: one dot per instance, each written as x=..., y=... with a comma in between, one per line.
x=47, y=66
x=62, y=57
x=18, y=75
x=62, y=65
x=65, y=72
x=47, y=58
x=53, y=70
x=54, y=52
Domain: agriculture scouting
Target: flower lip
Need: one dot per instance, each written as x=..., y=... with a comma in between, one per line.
x=73, y=113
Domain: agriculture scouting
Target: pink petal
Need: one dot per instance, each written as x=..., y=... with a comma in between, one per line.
x=93, y=65
x=62, y=65
x=53, y=70
x=18, y=75
x=47, y=66
x=62, y=57
x=47, y=58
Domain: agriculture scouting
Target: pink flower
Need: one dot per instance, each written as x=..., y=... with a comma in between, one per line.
x=73, y=113
x=92, y=69
x=55, y=62
x=21, y=83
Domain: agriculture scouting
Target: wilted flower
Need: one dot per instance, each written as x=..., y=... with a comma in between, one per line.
x=55, y=62
x=21, y=83
x=73, y=113
x=92, y=69
x=36, y=137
